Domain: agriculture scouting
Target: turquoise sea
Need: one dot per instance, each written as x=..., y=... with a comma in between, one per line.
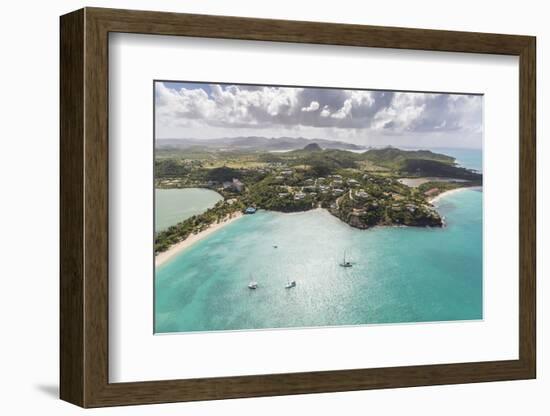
x=465, y=157
x=176, y=205
x=468, y=158
x=398, y=275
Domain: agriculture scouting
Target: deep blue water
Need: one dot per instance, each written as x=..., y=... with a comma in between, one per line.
x=399, y=274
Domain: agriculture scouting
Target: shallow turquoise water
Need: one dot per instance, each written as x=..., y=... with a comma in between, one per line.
x=176, y=205
x=399, y=274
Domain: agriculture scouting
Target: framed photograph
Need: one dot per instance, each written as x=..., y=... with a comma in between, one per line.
x=263, y=207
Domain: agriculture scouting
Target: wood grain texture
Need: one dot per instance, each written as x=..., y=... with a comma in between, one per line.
x=528, y=208
x=96, y=207
x=84, y=205
x=71, y=158
x=225, y=27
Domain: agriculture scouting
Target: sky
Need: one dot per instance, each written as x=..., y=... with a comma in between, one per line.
x=364, y=117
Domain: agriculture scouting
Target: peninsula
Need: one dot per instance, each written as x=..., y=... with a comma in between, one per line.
x=361, y=187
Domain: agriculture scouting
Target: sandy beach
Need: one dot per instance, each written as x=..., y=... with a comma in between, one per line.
x=416, y=182
x=193, y=238
x=449, y=192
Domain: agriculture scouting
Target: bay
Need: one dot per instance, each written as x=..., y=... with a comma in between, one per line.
x=399, y=274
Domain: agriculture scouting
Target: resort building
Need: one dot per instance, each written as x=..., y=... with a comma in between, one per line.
x=235, y=185
x=250, y=210
x=411, y=207
x=396, y=197
x=299, y=196
x=337, y=191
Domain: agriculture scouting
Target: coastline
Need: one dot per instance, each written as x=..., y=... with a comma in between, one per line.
x=163, y=257
x=177, y=248
x=449, y=192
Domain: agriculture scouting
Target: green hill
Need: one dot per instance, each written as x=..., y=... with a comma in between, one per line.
x=392, y=157
x=424, y=167
x=313, y=147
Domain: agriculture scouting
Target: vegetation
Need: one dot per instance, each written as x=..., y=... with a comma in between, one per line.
x=392, y=157
x=434, y=188
x=436, y=168
x=362, y=189
x=197, y=223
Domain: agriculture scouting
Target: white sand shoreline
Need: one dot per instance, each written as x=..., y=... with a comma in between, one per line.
x=450, y=192
x=193, y=238
x=163, y=257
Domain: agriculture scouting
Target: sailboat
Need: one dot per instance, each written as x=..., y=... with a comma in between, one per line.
x=253, y=284
x=345, y=263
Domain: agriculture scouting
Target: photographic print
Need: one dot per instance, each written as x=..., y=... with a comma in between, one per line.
x=283, y=207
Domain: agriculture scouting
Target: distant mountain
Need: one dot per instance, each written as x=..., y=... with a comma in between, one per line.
x=313, y=147
x=255, y=143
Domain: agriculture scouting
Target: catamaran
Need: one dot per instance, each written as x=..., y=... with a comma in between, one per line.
x=345, y=263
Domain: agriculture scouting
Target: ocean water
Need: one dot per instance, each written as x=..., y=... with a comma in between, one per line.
x=176, y=205
x=468, y=158
x=399, y=274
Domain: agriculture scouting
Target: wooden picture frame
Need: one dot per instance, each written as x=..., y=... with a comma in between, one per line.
x=84, y=207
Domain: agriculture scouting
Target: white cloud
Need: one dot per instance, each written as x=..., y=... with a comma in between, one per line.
x=325, y=112
x=229, y=105
x=313, y=106
x=345, y=111
x=189, y=103
x=363, y=98
x=405, y=108
x=191, y=110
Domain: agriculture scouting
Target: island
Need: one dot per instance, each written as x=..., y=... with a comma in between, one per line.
x=363, y=187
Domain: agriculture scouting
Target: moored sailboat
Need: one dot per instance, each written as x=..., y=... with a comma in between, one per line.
x=290, y=284
x=252, y=284
x=345, y=263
